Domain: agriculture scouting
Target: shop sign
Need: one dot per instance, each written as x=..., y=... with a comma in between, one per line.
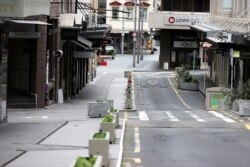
x=23, y=8
x=181, y=20
x=245, y=54
x=185, y=44
x=28, y=35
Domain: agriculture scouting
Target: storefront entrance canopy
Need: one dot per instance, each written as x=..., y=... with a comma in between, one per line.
x=29, y=22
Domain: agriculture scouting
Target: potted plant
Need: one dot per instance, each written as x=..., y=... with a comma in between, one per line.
x=108, y=125
x=225, y=103
x=92, y=161
x=187, y=78
x=99, y=108
x=241, y=103
x=99, y=145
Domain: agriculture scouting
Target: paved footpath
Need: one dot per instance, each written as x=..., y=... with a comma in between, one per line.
x=56, y=136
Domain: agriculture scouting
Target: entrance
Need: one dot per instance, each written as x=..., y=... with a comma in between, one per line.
x=19, y=72
x=186, y=58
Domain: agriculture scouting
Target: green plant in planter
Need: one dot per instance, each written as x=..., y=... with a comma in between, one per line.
x=111, y=52
x=229, y=96
x=187, y=77
x=194, y=80
x=85, y=162
x=108, y=118
x=100, y=100
x=112, y=109
x=99, y=135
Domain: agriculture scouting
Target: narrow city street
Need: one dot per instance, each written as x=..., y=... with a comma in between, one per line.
x=171, y=128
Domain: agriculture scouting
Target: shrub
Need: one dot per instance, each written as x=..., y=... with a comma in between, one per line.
x=108, y=118
x=85, y=162
x=99, y=135
x=112, y=109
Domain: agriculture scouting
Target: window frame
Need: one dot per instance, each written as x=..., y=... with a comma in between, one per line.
x=115, y=13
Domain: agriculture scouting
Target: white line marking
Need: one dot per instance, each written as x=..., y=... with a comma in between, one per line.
x=196, y=117
x=45, y=117
x=171, y=116
x=143, y=116
x=224, y=118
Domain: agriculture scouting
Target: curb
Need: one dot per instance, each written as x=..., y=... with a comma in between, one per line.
x=119, y=160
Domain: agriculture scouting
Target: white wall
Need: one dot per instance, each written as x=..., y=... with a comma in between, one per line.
x=128, y=24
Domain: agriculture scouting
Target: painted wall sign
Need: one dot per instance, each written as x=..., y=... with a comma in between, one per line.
x=181, y=20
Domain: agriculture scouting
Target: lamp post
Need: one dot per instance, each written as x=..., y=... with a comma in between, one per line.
x=142, y=36
x=135, y=20
x=123, y=31
x=139, y=34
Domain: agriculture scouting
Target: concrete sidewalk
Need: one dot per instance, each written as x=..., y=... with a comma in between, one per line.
x=56, y=136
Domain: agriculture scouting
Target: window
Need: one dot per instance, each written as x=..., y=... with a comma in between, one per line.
x=227, y=4
x=145, y=13
x=130, y=14
x=115, y=13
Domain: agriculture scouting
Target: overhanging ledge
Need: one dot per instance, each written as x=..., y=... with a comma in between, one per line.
x=29, y=22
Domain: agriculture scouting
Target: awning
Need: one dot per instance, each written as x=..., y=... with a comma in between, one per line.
x=84, y=41
x=79, y=44
x=86, y=54
x=218, y=40
x=205, y=27
x=29, y=22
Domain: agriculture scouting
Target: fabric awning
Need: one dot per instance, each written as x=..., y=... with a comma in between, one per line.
x=29, y=22
x=86, y=54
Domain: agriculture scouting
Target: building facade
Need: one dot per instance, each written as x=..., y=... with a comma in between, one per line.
x=47, y=52
x=124, y=17
x=179, y=43
x=23, y=27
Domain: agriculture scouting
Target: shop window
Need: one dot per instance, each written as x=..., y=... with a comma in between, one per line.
x=115, y=12
x=227, y=4
x=130, y=13
x=145, y=13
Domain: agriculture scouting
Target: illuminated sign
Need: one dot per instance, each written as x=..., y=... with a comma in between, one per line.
x=181, y=20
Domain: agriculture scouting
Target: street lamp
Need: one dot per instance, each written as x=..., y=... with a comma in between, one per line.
x=135, y=19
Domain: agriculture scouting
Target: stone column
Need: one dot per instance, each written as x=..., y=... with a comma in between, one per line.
x=3, y=72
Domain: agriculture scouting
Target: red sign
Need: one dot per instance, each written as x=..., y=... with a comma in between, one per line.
x=171, y=20
x=134, y=34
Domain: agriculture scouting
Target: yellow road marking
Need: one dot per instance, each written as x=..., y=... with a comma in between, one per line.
x=126, y=115
x=137, y=160
x=176, y=92
x=247, y=126
x=137, y=140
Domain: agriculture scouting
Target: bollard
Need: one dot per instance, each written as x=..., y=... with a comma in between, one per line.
x=128, y=103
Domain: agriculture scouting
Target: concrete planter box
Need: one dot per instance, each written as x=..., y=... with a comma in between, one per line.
x=116, y=116
x=243, y=107
x=109, y=127
x=98, y=161
x=100, y=147
x=185, y=85
x=179, y=81
x=99, y=109
x=194, y=86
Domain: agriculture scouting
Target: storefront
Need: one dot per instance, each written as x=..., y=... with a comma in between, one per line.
x=23, y=53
